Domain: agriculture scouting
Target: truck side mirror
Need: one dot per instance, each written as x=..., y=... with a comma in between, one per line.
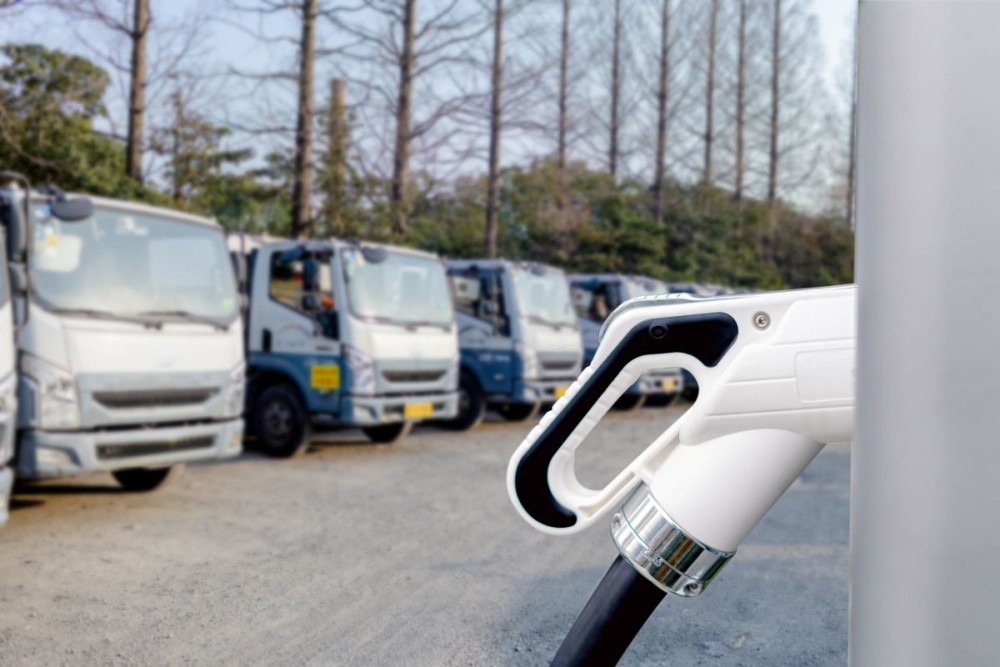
x=15, y=218
x=239, y=270
x=71, y=210
x=18, y=278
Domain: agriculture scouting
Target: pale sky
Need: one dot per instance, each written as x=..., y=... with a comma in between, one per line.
x=836, y=19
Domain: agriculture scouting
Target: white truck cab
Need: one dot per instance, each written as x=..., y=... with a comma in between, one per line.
x=130, y=353
x=519, y=337
x=346, y=334
x=595, y=296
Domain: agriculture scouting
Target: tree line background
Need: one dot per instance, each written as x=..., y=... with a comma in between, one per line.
x=684, y=139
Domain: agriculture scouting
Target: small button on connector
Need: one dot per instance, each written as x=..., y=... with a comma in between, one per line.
x=657, y=331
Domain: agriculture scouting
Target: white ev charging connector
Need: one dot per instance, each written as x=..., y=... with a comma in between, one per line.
x=776, y=382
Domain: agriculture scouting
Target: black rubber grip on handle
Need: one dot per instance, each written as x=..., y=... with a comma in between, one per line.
x=705, y=337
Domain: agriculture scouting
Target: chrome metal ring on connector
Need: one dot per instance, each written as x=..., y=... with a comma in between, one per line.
x=660, y=550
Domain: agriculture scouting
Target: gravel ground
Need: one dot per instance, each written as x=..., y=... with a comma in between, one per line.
x=408, y=554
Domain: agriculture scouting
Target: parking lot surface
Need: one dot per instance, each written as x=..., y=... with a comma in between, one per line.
x=406, y=554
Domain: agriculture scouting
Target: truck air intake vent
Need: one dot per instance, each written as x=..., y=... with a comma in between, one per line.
x=559, y=364
x=126, y=400
x=125, y=450
x=413, y=376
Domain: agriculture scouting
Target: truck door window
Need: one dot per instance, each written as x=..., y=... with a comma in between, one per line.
x=593, y=301
x=480, y=295
x=305, y=286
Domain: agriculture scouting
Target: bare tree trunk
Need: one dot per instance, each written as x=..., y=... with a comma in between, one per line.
x=137, y=91
x=175, y=147
x=853, y=146
x=302, y=176
x=616, y=85
x=741, y=84
x=772, y=168
x=493, y=196
x=337, y=148
x=662, y=99
x=563, y=87
x=706, y=174
x=401, y=156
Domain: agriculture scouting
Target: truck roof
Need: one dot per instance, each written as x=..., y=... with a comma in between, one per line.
x=125, y=205
x=612, y=276
x=499, y=263
x=260, y=241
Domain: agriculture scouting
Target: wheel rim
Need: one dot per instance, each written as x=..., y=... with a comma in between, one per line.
x=278, y=419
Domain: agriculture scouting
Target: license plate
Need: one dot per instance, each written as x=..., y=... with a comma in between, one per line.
x=669, y=385
x=418, y=410
x=324, y=377
x=559, y=392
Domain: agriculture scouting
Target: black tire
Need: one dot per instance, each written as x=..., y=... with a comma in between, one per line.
x=386, y=434
x=146, y=479
x=629, y=402
x=518, y=412
x=471, y=406
x=660, y=400
x=280, y=422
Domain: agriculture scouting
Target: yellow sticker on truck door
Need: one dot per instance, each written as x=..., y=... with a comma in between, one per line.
x=324, y=376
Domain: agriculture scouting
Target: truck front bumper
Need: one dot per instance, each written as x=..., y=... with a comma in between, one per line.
x=653, y=385
x=540, y=391
x=6, y=484
x=44, y=454
x=374, y=410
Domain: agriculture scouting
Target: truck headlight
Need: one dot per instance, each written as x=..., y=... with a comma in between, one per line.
x=57, y=405
x=8, y=403
x=529, y=361
x=7, y=397
x=234, y=392
x=362, y=371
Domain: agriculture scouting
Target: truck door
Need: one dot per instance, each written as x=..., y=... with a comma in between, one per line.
x=294, y=326
x=484, y=328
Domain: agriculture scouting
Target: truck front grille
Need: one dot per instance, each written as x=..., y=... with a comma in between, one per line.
x=125, y=450
x=669, y=373
x=413, y=376
x=558, y=364
x=158, y=398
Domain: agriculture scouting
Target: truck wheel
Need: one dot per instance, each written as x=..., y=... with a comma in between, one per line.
x=280, y=422
x=518, y=412
x=660, y=400
x=387, y=434
x=146, y=479
x=471, y=406
x=629, y=402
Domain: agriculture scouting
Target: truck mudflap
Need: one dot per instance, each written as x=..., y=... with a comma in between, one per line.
x=374, y=410
x=43, y=454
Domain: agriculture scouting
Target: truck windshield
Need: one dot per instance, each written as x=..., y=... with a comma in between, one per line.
x=126, y=264
x=401, y=288
x=635, y=287
x=543, y=296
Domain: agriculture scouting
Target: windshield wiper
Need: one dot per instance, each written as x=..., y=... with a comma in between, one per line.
x=541, y=320
x=428, y=323
x=186, y=315
x=104, y=315
x=384, y=319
